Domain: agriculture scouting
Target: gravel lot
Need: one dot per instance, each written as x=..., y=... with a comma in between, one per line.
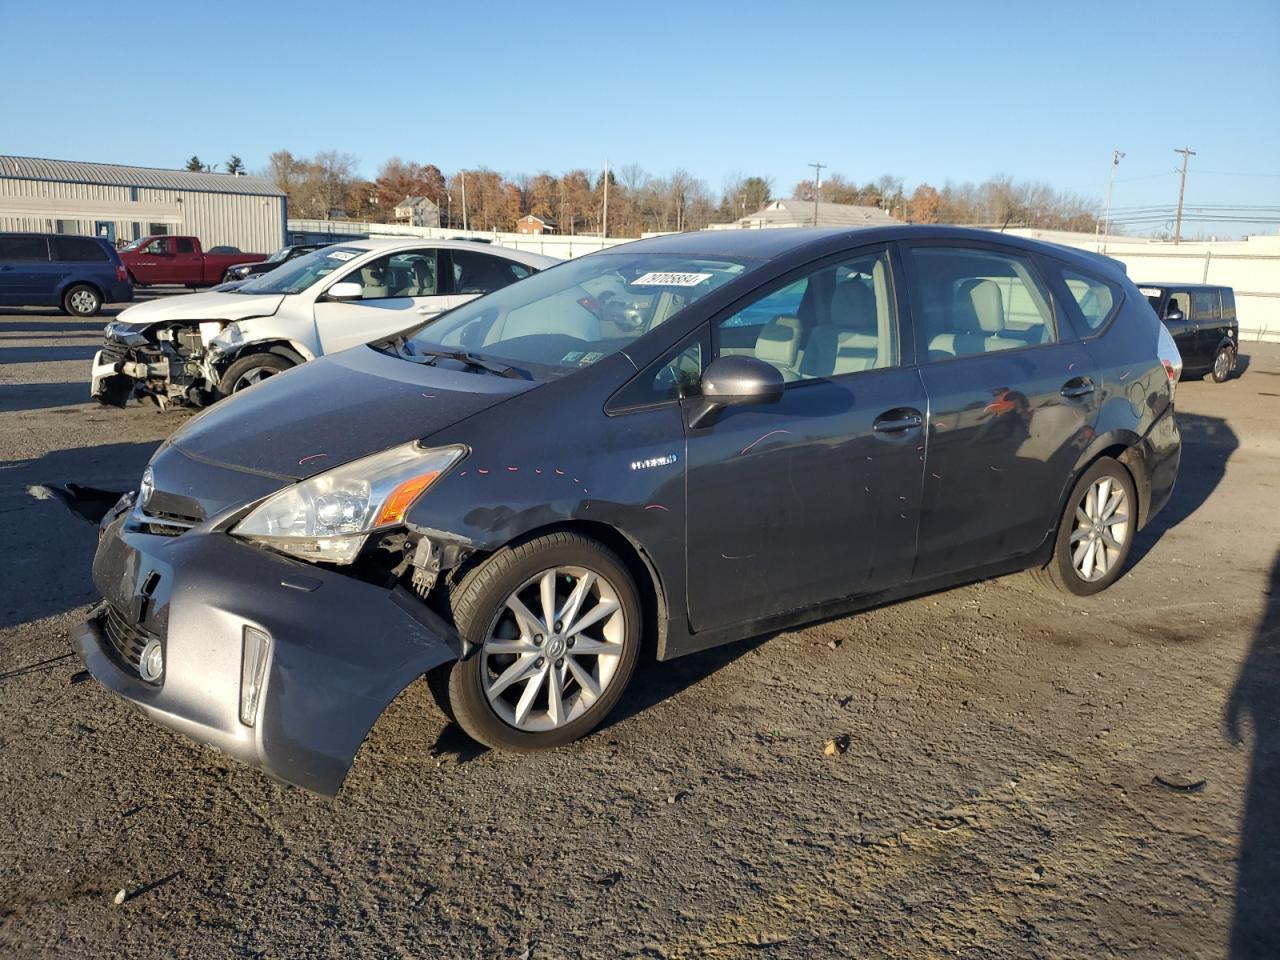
x=997, y=798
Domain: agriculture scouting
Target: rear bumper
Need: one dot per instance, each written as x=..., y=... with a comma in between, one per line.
x=340, y=649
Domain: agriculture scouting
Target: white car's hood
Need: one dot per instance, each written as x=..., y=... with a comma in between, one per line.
x=199, y=306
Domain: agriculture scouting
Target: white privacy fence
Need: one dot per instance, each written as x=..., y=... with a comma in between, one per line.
x=548, y=244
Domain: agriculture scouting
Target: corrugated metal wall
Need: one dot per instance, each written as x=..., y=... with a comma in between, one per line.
x=255, y=224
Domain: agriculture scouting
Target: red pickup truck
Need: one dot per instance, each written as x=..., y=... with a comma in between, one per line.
x=170, y=259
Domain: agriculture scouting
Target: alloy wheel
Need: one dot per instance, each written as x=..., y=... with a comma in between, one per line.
x=250, y=377
x=1222, y=365
x=553, y=649
x=1101, y=529
x=83, y=301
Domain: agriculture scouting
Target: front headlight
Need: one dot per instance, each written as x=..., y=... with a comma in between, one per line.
x=329, y=516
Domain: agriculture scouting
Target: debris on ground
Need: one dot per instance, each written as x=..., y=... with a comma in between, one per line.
x=836, y=745
x=1179, y=786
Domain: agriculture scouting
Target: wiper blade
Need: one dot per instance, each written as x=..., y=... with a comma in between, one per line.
x=471, y=360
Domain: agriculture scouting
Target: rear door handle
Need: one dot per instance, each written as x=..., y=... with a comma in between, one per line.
x=1077, y=389
x=898, y=421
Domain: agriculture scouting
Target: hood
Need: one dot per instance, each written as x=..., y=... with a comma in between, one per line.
x=335, y=409
x=199, y=306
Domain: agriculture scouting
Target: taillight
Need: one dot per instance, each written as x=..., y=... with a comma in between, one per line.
x=1170, y=358
x=121, y=272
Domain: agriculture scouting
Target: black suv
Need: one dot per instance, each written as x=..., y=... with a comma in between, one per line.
x=1202, y=319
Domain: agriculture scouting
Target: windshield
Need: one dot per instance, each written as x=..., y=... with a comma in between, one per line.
x=279, y=255
x=572, y=315
x=301, y=272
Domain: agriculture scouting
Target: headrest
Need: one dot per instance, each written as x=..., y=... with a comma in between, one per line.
x=980, y=307
x=779, y=342
x=853, y=307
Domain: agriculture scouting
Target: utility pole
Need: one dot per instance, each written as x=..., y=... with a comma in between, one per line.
x=1116, y=157
x=817, y=185
x=604, y=225
x=1187, y=154
x=464, y=200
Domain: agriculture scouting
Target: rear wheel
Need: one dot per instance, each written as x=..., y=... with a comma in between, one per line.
x=250, y=370
x=1096, y=531
x=82, y=301
x=1223, y=363
x=555, y=623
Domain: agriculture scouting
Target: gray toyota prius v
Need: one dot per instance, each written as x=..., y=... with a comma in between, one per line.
x=665, y=446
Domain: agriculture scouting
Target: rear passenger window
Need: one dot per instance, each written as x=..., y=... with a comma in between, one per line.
x=186, y=246
x=483, y=273
x=969, y=302
x=837, y=320
x=1206, y=305
x=23, y=248
x=77, y=250
x=1094, y=298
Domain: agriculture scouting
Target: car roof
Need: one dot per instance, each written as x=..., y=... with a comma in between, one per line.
x=1181, y=286
x=775, y=243
x=405, y=243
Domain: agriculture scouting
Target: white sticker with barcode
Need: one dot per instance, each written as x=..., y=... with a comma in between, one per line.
x=670, y=279
x=342, y=255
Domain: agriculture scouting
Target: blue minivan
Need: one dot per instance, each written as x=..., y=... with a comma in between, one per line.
x=78, y=274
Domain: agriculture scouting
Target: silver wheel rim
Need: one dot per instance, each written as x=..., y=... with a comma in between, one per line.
x=1222, y=364
x=1101, y=529
x=250, y=377
x=553, y=649
x=83, y=301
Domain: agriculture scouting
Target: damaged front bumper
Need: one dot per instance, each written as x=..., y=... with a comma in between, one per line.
x=129, y=364
x=338, y=650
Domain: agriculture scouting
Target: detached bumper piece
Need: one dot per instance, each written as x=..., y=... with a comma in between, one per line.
x=280, y=664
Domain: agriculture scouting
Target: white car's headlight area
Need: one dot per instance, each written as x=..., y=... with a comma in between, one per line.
x=328, y=517
x=224, y=339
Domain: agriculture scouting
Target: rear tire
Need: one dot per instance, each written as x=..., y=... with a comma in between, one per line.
x=250, y=370
x=1095, y=533
x=82, y=300
x=1224, y=361
x=526, y=714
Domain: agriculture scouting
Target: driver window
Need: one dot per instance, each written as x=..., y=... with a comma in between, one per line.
x=1179, y=301
x=160, y=246
x=411, y=273
x=836, y=320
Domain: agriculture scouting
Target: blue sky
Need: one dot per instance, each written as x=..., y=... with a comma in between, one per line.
x=927, y=91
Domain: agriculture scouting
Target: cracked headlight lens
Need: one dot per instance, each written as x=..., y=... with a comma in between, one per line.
x=328, y=517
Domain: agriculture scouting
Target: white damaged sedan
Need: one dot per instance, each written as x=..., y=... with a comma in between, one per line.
x=195, y=349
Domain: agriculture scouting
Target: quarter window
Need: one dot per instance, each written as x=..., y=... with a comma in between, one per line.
x=969, y=302
x=837, y=320
x=1094, y=298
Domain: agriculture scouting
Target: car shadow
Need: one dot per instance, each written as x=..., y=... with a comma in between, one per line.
x=1255, y=929
x=46, y=551
x=1207, y=444
x=40, y=396
x=47, y=354
x=36, y=326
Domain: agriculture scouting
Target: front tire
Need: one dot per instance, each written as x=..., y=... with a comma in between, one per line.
x=1224, y=362
x=82, y=300
x=249, y=371
x=556, y=627
x=1096, y=531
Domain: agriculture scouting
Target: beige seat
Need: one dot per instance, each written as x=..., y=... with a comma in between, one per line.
x=778, y=343
x=849, y=342
x=979, y=322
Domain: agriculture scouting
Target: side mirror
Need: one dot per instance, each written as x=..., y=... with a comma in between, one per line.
x=736, y=381
x=1173, y=315
x=346, y=290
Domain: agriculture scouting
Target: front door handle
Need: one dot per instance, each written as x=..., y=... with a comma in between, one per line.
x=898, y=421
x=1077, y=389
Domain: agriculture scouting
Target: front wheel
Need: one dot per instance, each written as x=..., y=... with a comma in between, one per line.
x=1224, y=362
x=82, y=301
x=250, y=370
x=1096, y=531
x=555, y=623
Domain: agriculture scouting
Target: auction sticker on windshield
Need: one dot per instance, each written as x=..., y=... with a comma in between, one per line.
x=670, y=279
x=342, y=255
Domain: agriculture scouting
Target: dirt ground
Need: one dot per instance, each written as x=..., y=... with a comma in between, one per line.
x=999, y=795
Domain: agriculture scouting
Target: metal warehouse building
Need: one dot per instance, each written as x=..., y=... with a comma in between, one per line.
x=124, y=203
